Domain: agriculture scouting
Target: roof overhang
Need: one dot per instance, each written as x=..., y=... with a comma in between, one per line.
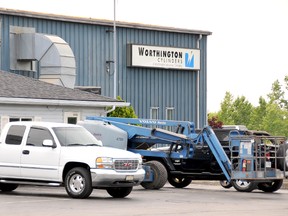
x=95, y=21
x=46, y=102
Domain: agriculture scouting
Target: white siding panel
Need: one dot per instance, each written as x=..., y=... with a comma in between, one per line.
x=45, y=113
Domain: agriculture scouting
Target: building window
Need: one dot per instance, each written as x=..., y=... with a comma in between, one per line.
x=71, y=117
x=5, y=119
x=13, y=119
x=170, y=113
x=154, y=112
x=72, y=120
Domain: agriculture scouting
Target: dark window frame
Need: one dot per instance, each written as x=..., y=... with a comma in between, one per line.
x=34, y=140
x=15, y=134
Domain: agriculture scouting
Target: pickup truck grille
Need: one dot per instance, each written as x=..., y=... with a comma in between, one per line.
x=126, y=165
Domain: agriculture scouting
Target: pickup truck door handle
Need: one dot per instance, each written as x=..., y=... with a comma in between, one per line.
x=25, y=151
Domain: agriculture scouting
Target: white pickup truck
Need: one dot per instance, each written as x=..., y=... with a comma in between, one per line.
x=56, y=154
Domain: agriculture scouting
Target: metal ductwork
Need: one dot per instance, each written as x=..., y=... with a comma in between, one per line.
x=56, y=61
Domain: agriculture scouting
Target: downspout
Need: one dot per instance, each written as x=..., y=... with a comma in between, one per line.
x=198, y=89
x=111, y=110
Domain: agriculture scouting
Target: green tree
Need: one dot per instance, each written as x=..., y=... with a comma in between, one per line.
x=286, y=87
x=238, y=111
x=275, y=121
x=225, y=114
x=242, y=111
x=277, y=94
x=256, y=120
x=270, y=115
x=123, y=112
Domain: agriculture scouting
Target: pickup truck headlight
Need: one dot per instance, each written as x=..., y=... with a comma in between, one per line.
x=104, y=163
x=140, y=163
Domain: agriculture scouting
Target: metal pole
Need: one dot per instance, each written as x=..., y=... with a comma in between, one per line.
x=198, y=90
x=115, y=52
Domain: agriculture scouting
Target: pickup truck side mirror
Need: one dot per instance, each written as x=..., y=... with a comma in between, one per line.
x=48, y=143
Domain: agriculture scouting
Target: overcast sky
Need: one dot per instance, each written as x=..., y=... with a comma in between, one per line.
x=248, y=48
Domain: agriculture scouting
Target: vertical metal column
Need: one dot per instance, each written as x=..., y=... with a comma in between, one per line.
x=115, y=52
x=198, y=89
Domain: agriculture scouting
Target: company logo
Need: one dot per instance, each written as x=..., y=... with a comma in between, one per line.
x=147, y=121
x=164, y=57
x=189, y=59
x=142, y=51
x=127, y=164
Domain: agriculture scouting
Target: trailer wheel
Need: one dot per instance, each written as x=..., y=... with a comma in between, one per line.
x=243, y=186
x=179, y=182
x=8, y=187
x=225, y=184
x=78, y=183
x=119, y=192
x=160, y=176
x=281, y=154
x=270, y=187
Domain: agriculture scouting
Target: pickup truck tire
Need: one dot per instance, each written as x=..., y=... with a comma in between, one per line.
x=244, y=186
x=270, y=187
x=78, y=183
x=160, y=175
x=180, y=182
x=8, y=187
x=119, y=192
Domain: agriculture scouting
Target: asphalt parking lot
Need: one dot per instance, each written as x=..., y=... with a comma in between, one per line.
x=284, y=186
x=196, y=199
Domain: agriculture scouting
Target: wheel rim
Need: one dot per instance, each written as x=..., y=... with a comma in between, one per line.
x=178, y=180
x=76, y=183
x=242, y=184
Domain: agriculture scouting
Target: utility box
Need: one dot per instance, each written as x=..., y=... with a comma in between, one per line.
x=110, y=135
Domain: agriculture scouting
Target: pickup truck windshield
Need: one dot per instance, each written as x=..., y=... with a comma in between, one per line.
x=75, y=136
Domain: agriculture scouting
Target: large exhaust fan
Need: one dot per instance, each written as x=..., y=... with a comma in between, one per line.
x=56, y=61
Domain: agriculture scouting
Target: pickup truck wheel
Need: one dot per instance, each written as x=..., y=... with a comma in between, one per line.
x=160, y=176
x=78, y=183
x=8, y=187
x=244, y=186
x=179, y=182
x=270, y=187
x=120, y=192
x=225, y=184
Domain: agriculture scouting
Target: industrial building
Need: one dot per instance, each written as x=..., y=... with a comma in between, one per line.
x=160, y=71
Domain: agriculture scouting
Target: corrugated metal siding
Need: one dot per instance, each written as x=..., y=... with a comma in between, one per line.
x=160, y=87
x=143, y=87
